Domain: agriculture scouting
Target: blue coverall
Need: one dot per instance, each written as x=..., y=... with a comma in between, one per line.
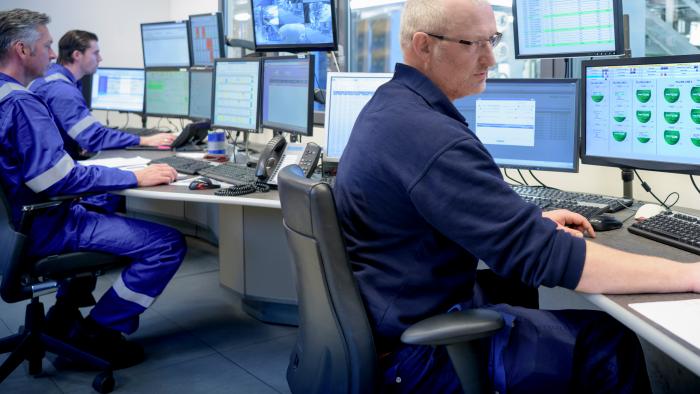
x=417, y=218
x=34, y=165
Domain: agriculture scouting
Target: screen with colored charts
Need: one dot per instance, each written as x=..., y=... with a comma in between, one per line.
x=117, y=89
x=346, y=95
x=165, y=44
x=287, y=94
x=526, y=123
x=206, y=39
x=643, y=113
x=295, y=25
x=200, y=93
x=167, y=92
x=236, y=94
x=567, y=28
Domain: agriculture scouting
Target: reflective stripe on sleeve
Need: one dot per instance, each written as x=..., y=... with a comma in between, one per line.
x=83, y=124
x=56, y=77
x=54, y=174
x=127, y=294
x=8, y=88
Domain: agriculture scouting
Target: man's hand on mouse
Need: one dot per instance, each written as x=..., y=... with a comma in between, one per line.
x=571, y=222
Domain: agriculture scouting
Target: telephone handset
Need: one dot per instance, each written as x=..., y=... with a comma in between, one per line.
x=194, y=133
x=278, y=154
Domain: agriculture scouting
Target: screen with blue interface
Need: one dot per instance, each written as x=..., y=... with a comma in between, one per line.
x=295, y=25
x=207, y=44
x=643, y=113
x=200, y=93
x=165, y=44
x=236, y=94
x=346, y=95
x=117, y=89
x=526, y=123
x=287, y=94
x=556, y=28
x=167, y=92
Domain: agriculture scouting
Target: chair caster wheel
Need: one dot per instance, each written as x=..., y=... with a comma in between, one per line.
x=104, y=382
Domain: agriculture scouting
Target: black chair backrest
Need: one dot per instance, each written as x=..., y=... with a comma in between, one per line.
x=335, y=350
x=11, y=246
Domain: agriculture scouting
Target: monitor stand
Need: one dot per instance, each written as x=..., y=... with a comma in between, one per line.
x=627, y=183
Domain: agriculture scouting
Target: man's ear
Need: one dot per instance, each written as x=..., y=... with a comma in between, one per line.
x=75, y=55
x=421, y=45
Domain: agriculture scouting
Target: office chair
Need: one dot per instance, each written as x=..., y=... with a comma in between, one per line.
x=25, y=278
x=335, y=352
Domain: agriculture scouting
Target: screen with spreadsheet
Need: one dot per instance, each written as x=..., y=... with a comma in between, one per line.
x=165, y=44
x=642, y=113
x=236, y=94
x=117, y=89
x=287, y=93
x=200, y=93
x=206, y=35
x=167, y=92
x=556, y=28
x=294, y=25
x=346, y=95
x=526, y=123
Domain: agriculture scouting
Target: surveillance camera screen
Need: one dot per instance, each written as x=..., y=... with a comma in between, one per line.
x=293, y=24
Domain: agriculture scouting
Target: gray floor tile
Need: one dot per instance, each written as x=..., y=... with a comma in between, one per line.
x=267, y=361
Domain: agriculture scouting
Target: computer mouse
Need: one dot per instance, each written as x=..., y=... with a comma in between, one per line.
x=605, y=222
x=648, y=210
x=203, y=183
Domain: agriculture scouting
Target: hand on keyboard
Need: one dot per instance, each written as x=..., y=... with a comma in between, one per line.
x=158, y=139
x=571, y=222
x=155, y=174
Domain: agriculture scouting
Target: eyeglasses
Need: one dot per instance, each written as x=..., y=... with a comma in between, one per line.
x=493, y=40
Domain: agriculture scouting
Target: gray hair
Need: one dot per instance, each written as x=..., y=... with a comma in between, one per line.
x=421, y=15
x=19, y=25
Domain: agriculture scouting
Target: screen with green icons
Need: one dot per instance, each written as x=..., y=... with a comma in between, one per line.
x=647, y=112
x=167, y=92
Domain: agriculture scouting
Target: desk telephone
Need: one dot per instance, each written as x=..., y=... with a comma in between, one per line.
x=278, y=154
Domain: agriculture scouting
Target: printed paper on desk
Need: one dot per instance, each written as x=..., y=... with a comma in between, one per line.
x=132, y=163
x=680, y=317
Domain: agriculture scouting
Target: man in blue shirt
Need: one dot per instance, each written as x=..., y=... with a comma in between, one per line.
x=431, y=203
x=34, y=166
x=78, y=56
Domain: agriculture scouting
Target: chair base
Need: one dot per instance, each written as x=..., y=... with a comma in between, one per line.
x=32, y=343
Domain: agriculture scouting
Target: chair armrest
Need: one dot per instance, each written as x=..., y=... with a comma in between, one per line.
x=451, y=328
x=29, y=210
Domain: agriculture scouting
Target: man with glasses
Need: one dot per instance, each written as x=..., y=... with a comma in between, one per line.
x=431, y=203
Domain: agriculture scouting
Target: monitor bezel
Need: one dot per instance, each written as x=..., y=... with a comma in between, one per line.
x=143, y=97
x=222, y=38
x=193, y=70
x=618, y=33
x=258, y=113
x=189, y=49
x=622, y=162
x=310, y=99
x=294, y=47
x=145, y=92
x=326, y=117
x=577, y=121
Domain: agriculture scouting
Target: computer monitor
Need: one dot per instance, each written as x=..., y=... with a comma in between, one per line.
x=165, y=44
x=294, y=25
x=200, y=93
x=346, y=95
x=287, y=94
x=236, y=95
x=642, y=113
x=167, y=92
x=207, y=38
x=527, y=123
x=117, y=89
x=556, y=28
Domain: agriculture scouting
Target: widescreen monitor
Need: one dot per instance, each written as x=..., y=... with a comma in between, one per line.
x=117, y=89
x=642, y=113
x=200, y=93
x=207, y=38
x=556, y=28
x=294, y=25
x=167, y=92
x=236, y=94
x=527, y=123
x=287, y=94
x=346, y=95
x=165, y=44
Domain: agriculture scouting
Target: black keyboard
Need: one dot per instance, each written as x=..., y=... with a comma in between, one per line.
x=183, y=165
x=671, y=228
x=141, y=132
x=587, y=210
x=232, y=173
x=612, y=204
